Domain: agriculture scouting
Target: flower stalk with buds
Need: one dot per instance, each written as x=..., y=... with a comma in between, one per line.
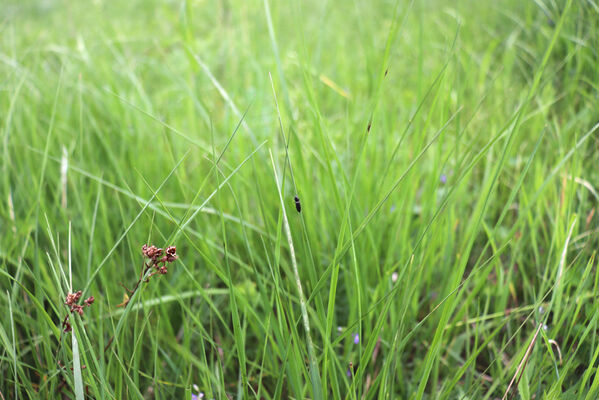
x=71, y=302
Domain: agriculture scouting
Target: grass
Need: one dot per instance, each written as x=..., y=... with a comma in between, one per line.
x=443, y=153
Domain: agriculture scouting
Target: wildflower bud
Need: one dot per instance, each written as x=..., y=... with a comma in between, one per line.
x=171, y=254
x=75, y=308
x=151, y=252
x=89, y=301
x=162, y=270
x=67, y=327
x=72, y=298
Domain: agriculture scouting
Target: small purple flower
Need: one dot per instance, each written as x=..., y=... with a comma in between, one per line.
x=356, y=338
x=392, y=208
x=443, y=178
x=348, y=373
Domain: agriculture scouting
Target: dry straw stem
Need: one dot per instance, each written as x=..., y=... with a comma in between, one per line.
x=522, y=364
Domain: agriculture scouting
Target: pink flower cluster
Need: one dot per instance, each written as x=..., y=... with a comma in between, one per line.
x=159, y=256
x=71, y=301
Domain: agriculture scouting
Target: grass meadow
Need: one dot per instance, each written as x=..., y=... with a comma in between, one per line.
x=444, y=155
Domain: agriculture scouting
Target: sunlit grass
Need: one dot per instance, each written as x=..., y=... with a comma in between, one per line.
x=443, y=154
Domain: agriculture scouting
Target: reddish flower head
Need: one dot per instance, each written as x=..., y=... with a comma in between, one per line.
x=72, y=298
x=151, y=252
x=71, y=301
x=171, y=254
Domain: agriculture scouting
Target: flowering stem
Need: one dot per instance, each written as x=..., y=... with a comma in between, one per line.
x=158, y=260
